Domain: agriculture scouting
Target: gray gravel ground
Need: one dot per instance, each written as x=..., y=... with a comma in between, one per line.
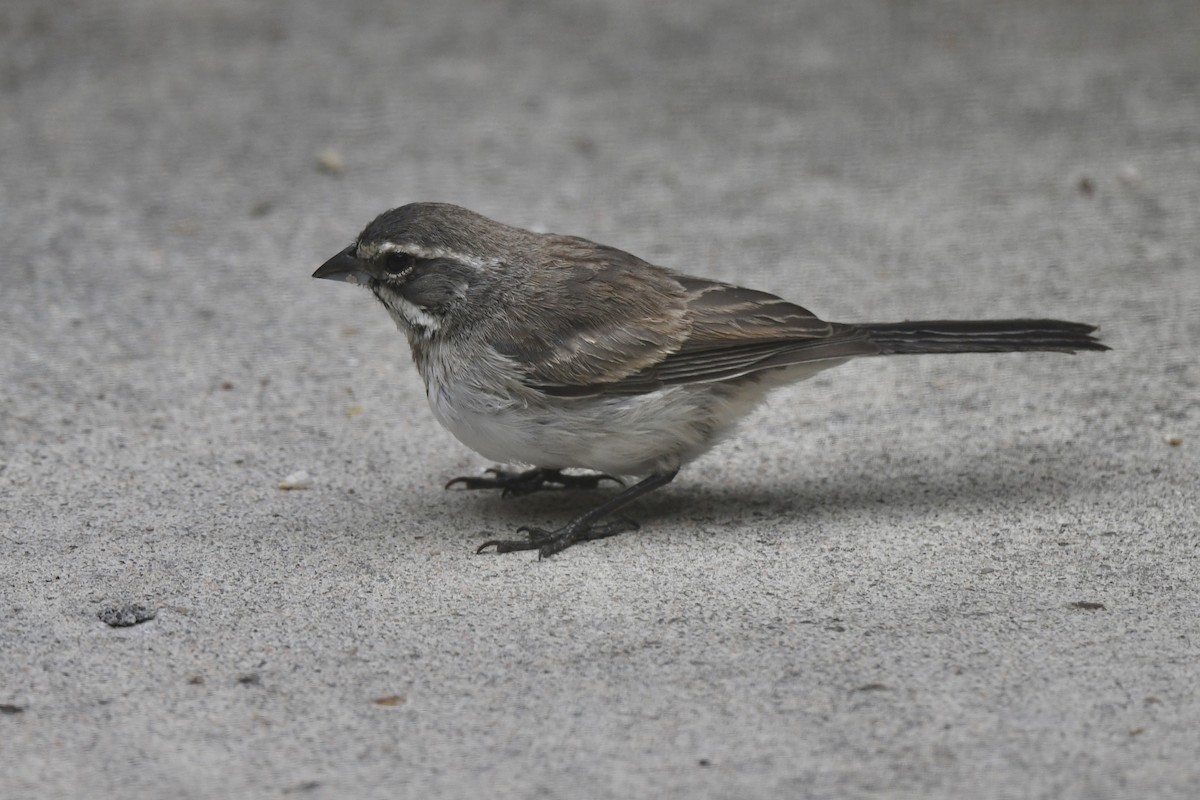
x=935, y=577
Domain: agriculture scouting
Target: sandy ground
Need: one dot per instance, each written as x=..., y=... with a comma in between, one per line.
x=928, y=577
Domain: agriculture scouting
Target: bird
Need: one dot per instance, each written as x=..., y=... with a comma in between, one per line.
x=560, y=353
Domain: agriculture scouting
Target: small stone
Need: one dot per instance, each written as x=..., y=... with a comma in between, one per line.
x=330, y=161
x=297, y=480
x=125, y=616
x=1088, y=605
x=1129, y=175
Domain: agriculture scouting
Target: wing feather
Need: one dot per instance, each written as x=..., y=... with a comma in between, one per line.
x=624, y=316
x=639, y=328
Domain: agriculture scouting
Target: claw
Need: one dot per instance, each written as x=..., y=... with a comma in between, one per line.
x=586, y=526
x=500, y=479
x=502, y=546
x=547, y=543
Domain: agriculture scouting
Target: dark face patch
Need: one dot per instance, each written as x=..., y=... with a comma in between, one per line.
x=436, y=284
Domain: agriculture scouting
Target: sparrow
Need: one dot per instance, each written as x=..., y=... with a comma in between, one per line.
x=557, y=352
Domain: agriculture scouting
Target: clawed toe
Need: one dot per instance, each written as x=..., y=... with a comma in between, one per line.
x=547, y=543
x=535, y=538
x=504, y=545
x=585, y=527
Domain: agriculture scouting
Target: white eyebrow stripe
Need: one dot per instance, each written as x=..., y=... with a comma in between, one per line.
x=417, y=251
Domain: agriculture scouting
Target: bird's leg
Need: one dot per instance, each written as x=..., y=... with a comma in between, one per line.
x=530, y=481
x=586, y=526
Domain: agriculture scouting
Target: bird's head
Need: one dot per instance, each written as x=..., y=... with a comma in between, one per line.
x=424, y=261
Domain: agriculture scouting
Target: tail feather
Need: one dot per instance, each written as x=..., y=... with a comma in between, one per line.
x=981, y=336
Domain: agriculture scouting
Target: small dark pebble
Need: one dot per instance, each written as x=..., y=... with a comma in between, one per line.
x=871, y=687
x=1088, y=605
x=307, y=786
x=9, y=708
x=126, y=615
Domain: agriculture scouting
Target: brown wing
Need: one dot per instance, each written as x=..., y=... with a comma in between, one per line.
x=722, y=314
x=733, y=331
x=635, y=327
x=595, y=315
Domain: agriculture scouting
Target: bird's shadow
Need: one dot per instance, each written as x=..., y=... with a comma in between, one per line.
x=1009, y=473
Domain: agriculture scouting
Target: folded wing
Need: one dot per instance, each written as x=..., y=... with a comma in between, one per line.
x=671, y=330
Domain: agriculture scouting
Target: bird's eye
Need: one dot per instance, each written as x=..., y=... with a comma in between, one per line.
x=399, y=263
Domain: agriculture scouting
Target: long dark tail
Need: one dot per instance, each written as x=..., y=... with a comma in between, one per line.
x=981, y=336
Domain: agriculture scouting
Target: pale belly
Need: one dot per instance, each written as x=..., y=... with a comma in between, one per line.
x=629, y=435
x=634, y=435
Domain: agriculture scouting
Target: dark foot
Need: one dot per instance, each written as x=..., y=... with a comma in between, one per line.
x=530, y=481
x=547, y=543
